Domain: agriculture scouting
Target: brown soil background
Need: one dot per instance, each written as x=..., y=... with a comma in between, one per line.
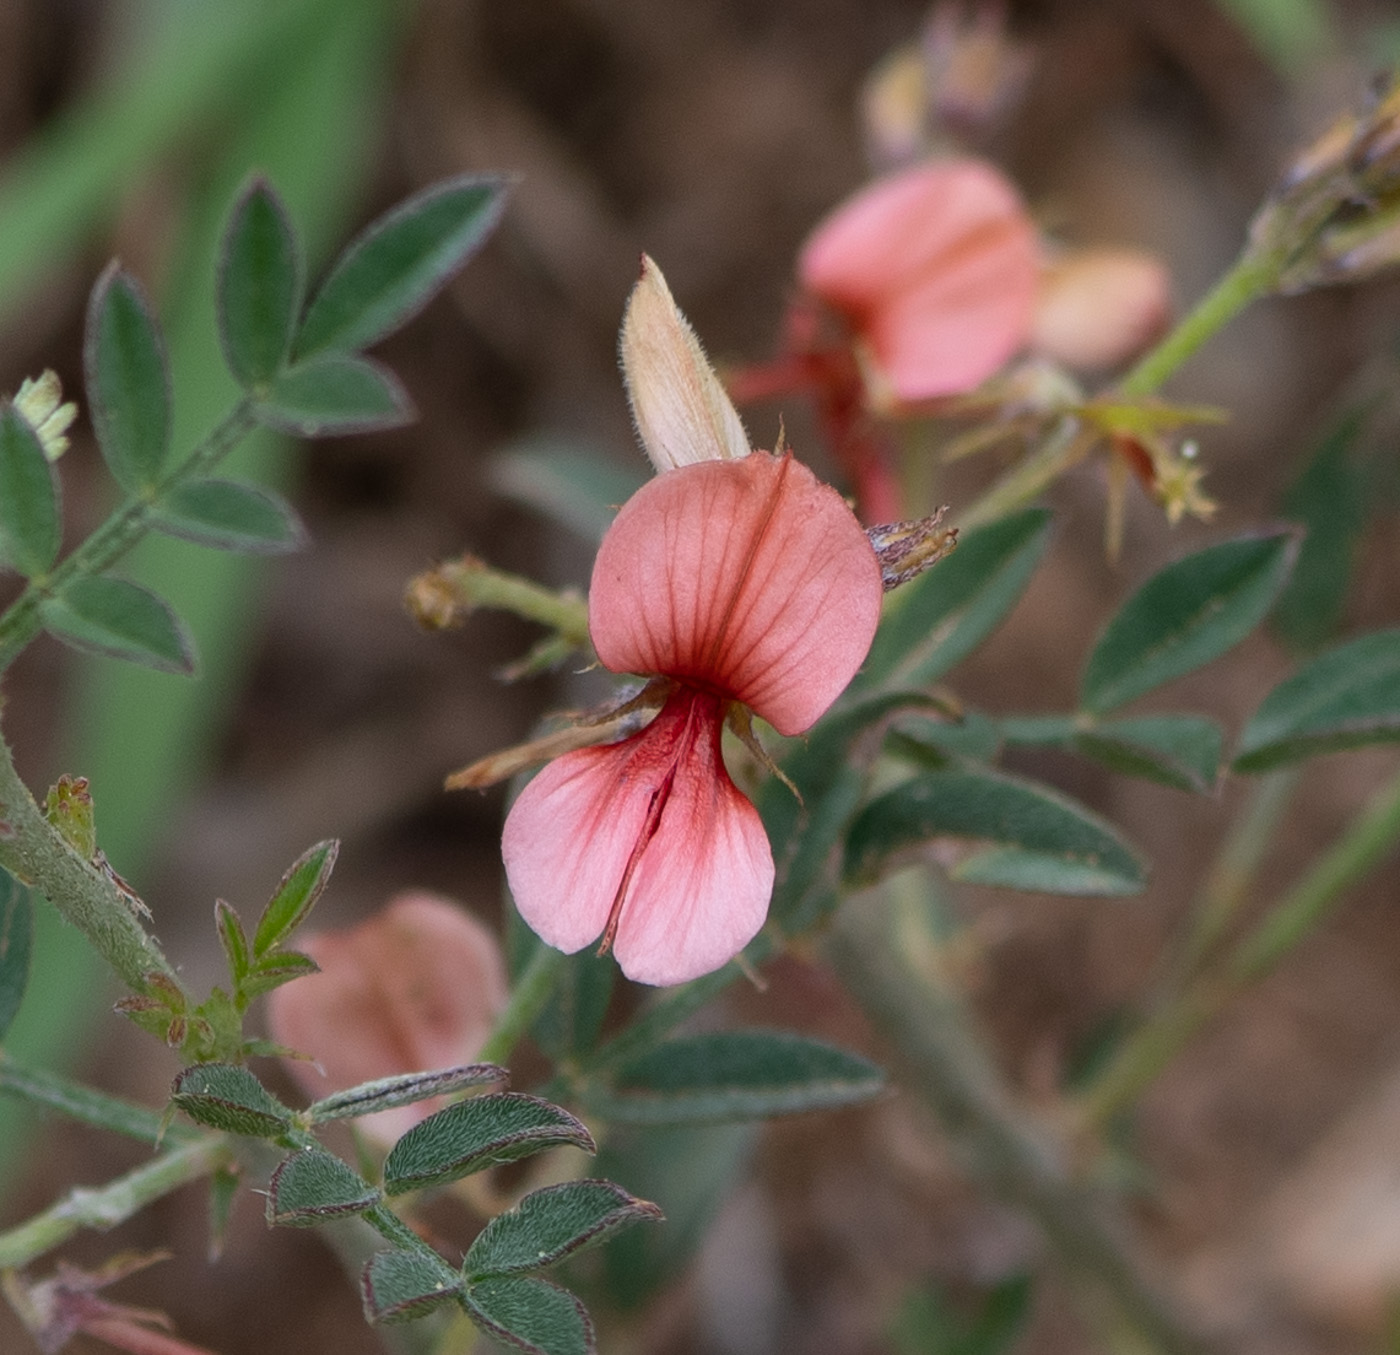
x=713, y=134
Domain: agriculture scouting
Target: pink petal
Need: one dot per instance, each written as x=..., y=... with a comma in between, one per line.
x=935, y=268
x=750, y=578
x=415, y=987
x=652, y=830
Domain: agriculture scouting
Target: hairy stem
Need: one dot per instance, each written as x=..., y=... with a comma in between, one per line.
x=443, y=596
x=33, y=851
x=104, y=1207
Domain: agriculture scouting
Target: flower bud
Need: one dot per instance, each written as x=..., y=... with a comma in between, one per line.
x=416, y=987
x=40, y=401
x=1099, y=308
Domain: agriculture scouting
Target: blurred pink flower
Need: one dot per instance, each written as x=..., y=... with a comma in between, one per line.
x=415, y=987
x=1099, y=307
x=736, y=582
x=935, y=270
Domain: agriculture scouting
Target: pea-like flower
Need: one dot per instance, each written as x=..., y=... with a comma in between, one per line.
x=935, y=271
x=735, y=582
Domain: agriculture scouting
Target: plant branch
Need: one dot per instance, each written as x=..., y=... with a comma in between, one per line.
x=528, y=996
x=21, y=622
x=104, y=1207
x=896, y=981
x=85, y=1104
x=33, y=851
x=1366, y=842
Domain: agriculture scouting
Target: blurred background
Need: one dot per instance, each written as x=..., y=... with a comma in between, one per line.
x=713, y=134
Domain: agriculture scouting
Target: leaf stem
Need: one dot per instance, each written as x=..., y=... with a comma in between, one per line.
x=104, y=1207
x=1252, y=275
x=85, y=1104
x=20, y=622
x=442, y=596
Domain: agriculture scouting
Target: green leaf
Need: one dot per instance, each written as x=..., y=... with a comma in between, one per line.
x=550, y=1224
x=386, y=1092
x=1186, y=615
x=16, y=940
x=276, y=968
x=313, y=1186
x=228, y=515
x=576, y=485
x=227, y=1096
x=128, y=382
x=1329, y=500
x=472, y=1135
x=571, y=1021
x=530, y=1314
x=294, y=896
x=233, y=941
x=735, y=1075
x=999, y=831
x=389, y=272
x=106, y=615
x=1346, y=697
x=1177, y=750
x=31, y=528
x=398, y=1286
x=259, y=285
x=333, y=393
x=932, y=623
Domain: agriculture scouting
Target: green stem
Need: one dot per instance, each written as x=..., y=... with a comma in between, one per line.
x=1365, y=843
x=1251, y=276
x=528, y=996
x=1369, y=839
x=85, y=1104
x=1232, y=873
x=20, y=622
x=1029, y=477
x=441, y=596
x=104, y=1207
x=34, y=852
x=897, y=982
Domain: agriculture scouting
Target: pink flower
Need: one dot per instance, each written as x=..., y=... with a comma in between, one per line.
x=935, y=271
x=736, y=582
x=413, y=988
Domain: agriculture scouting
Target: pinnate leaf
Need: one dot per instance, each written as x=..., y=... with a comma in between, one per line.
x=232, y=939
x=16, y=939
x=227, y=1096
x=1346, y=697
x=472, y=1135
x=532, y=1315
x=259, y=285
x=398, y=1286
x=228, y=515
x=942, y=616
x=276, y=968
x=391, y=270
x=996, y=830
x=128, y=381
x=736, y=1075
x=387, y=1092
x=31, y=528
x=312, y=1186
x=550, y=1224
x=333, y=393
x=100, y=614
x=1186, y=615
x=294, y=896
